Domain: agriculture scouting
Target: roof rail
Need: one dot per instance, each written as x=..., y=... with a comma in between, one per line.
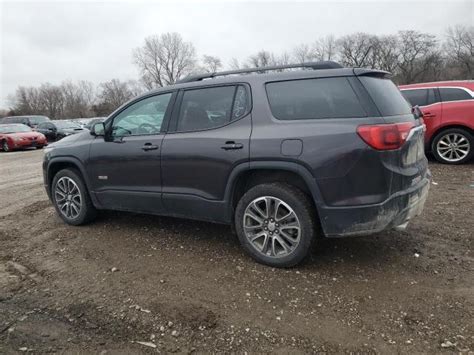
x=309, y=65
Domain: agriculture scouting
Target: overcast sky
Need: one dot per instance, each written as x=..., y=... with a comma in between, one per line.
x=51, y=41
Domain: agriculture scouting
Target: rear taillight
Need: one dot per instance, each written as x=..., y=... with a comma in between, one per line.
x=385, y=136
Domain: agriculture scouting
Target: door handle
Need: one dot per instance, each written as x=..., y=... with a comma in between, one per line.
x=231, y=145
x=148, y=146
x=428, y=114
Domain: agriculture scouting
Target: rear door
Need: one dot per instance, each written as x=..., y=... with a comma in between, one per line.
x=208, y=136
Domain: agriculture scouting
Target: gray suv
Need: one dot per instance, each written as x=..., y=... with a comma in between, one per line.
x=284, y=154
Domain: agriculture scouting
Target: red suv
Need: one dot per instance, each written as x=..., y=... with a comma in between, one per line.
x=448, y=112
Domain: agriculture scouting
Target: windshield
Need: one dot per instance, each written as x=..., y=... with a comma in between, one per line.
x=14, y=128
x=38, y=119
x=67, y=124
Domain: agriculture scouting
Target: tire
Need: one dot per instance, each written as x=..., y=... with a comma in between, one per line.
x=5, y=146
x=459, y=153
x=40, y=147
x=63, y=184
x=269, y=249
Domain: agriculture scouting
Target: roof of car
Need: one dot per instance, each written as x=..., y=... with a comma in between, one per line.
x=262, y=76
x=269, y=77
x=449, y=83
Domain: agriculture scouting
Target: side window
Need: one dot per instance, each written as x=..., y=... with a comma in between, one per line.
x=431, y=97
x=213, y=107
x=313, y=99
x=43, y=126
x=453, y=94
x=241, y=103
x=416, y=97
x=142, y=118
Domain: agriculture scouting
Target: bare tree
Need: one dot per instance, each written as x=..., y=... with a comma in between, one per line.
x=418, y=53
x=164, y=59
x=387, y=52
x=112, y=94
x=211, y=64
x=261, y=59
x=78, y=99
x=53, y=100
x=357, y=50
x=325, y=48
x=459, y=48
x=234, y=64
x=303, y=53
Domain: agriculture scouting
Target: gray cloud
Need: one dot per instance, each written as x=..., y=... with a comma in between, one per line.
x=55, y=41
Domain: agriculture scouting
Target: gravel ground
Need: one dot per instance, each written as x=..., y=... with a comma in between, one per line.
x=136, y=283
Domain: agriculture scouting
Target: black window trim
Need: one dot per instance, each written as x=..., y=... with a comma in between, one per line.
x=173, y=124
x=362, y=103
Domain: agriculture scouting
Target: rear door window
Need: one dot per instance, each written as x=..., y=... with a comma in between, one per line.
x=454, y=94
x=416, y=97
x=386, y=96
x=313, y=99
x=211, y=107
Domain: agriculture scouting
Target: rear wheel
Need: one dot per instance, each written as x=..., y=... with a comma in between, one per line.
x=71, y=198
x=275, y=224
x=453, y=146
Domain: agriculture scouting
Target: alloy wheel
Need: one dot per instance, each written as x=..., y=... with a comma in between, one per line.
x=68, y=197
x=272, y=227
x=5, y=146
x=453, y=147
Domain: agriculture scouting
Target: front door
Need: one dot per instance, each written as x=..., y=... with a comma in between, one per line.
x=124, y=167
x=209, y=135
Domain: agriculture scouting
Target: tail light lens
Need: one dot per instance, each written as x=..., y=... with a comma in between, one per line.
x=385, y=136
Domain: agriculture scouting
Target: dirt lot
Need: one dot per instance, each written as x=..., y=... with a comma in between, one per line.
x=182, y=286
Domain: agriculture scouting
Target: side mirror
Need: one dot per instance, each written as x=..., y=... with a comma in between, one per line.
x=98, y=129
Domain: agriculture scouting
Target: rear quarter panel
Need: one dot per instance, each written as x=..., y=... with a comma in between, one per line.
x=345, y=169
x=458, y=113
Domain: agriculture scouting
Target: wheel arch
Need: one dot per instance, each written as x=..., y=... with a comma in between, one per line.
x=57, y=164
x=247, y=175
x=444, y=128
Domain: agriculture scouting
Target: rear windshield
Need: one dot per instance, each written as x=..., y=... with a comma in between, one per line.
x=67, y=124
x=313, y=99
x=386, y=96
x=38, y=119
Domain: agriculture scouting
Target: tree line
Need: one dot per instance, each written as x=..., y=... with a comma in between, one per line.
x=411, y=56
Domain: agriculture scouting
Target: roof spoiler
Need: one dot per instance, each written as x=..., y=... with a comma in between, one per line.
x=372, y=72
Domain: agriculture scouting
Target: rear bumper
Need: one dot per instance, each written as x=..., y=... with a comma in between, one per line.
x=395, y=212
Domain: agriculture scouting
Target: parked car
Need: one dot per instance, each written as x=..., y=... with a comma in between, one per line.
x=448, y=112
x=18, y=136
x=30, y=121
x=284, y=157
x=56, y=130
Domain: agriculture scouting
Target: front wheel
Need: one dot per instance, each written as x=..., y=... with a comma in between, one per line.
x=275, y=223
x=71, y=198
x=453, y=146
x=5, y=146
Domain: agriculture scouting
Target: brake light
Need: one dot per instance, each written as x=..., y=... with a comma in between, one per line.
x=385, y=136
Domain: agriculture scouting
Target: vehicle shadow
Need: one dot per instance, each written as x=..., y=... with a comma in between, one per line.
x=365, y=251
